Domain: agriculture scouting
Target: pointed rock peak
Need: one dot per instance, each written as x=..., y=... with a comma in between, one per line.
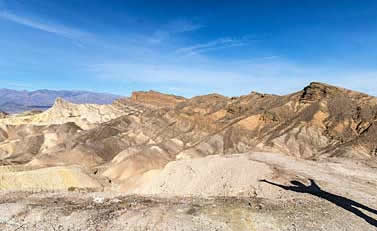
x=322, y=86
x=3, y=114
x=61, y=102
x=317, y=90
x=330, y=88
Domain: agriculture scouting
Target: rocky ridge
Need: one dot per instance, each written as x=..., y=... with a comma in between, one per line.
x=156, y=99
x=319, y=122
x=210, y=146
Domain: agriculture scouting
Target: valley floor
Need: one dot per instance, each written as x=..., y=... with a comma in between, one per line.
x=106, y=211
x=294, y=194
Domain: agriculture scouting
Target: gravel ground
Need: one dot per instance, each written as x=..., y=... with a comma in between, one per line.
x=111, y=211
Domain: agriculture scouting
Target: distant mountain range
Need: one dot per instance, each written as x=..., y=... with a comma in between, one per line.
x=13, y=101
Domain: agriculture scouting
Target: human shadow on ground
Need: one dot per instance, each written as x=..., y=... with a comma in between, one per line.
x=345, y=203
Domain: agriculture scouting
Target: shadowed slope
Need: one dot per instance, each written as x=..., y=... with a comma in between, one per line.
x=147, y=131
x=345, y=203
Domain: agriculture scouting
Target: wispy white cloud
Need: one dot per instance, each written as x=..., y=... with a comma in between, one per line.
x=221, y=43
x=187, y=70
x=274, y=75
x=174, y=27
x=60, y=30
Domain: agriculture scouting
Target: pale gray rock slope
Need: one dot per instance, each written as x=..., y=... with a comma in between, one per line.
x=304, y=161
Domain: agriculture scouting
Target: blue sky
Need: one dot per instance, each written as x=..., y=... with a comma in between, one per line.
x=188, y=47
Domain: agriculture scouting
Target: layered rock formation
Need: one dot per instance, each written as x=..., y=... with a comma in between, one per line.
x=320, y=120
x=134, y=138
x=83, y=115
x=156, y=99
x=241, y=163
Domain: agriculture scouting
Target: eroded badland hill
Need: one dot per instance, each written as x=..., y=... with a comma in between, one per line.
x=303, y=161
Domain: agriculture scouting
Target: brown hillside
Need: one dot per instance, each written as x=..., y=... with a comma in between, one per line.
x=147, y=131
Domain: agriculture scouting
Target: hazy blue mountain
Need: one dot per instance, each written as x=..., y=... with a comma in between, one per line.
x=13, y=101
